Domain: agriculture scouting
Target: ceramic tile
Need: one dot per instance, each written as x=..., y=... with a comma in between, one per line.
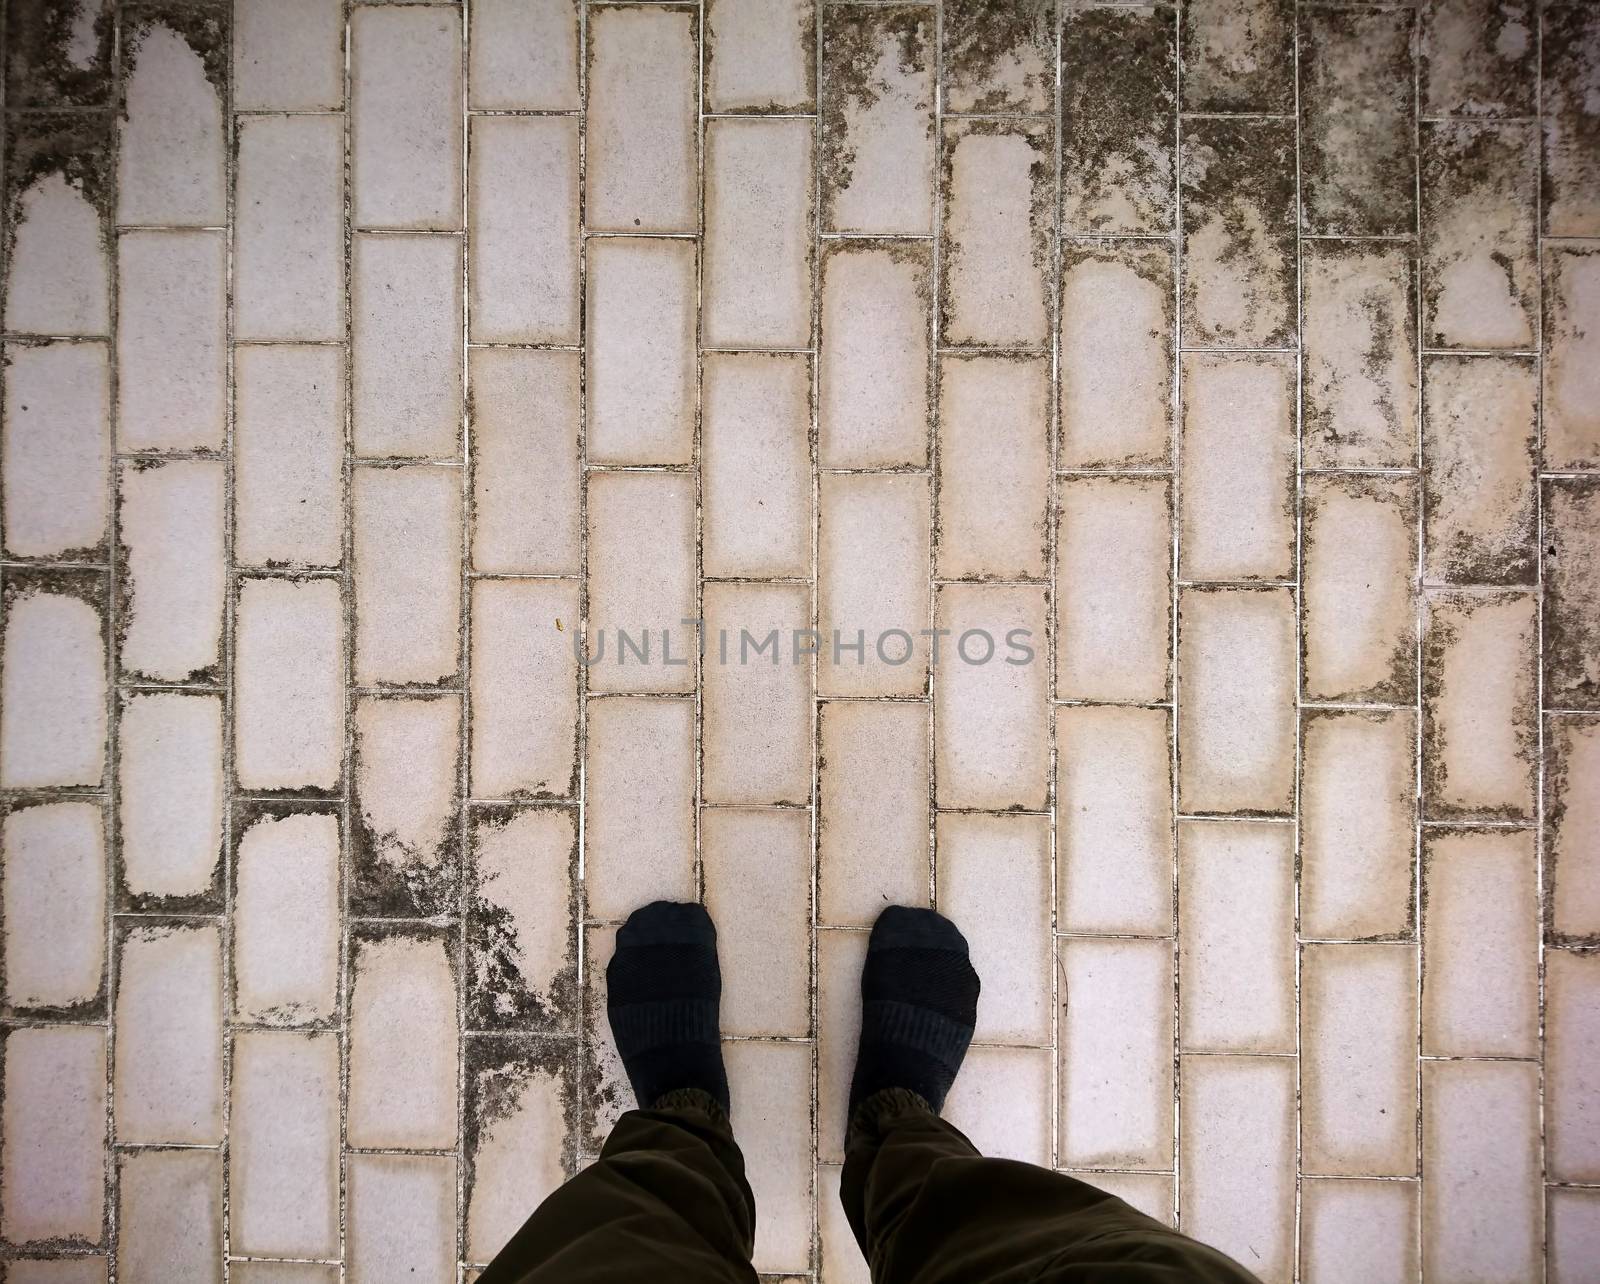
x=1572, y=1234
x=1572, y=826
x=170, y=799
x=1572, y=1041
x=1478, y=57
x=53, y=681
x=1571, y=530
x=53, y=897
x=760, y=55
x=523, y=57
x=1238, y=56
x=1358, y=1230
x=997, y=59
x=1002, y=1103
x=52, y=1183
x=58, y=269
x=401, y=1217
x=288, y=55
x=1571, y=204
x=766, y=1080
x=169, y=1216
x=1571, y=363
x=170, y=157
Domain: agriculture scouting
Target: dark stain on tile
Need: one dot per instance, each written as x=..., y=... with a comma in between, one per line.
x=1564, y=792
x=1479, y=257
x=1118, y=107
x=1571, y=49
x=1572, y=356
x=854, y=39
x=1572, y=592
x=1476, y=57
x=999, y=55
x=202, y=25
x=58, y=53
x=805, y=20
x=1238, y=233
x=1480, y=440
x=1238, y=55
x=75, y=145
x=1357, y=153
x=499, y=995
x=1359, y=388
x=498, y=1070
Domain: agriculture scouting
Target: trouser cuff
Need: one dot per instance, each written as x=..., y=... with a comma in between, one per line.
x=693, y=1099
x=881, y=1106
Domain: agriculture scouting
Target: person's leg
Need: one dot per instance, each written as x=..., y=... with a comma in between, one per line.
x=667, y=1199
x=925, y=1206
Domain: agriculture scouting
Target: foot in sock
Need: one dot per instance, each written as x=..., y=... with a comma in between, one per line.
x=919, y=1005
x=663, y=988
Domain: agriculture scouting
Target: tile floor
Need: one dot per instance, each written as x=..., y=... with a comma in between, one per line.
x=361, y=358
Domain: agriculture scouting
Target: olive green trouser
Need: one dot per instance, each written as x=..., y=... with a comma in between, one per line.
x=668, y=1201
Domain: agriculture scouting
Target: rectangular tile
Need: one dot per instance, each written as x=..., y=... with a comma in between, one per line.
x=519, y=1148
x=171, y=355
x=400, y=1218
x=872, y=831
x=170, y=520
x=523, y=56
x=283, y=1151
x=1572, y=1051
x=877, y=149
x=52, y=1145
x=993, y=478
x=1238, y=233
x=1119, y=75
x=1237, y=1157
x=1357, y=106
x=1479, y=257
x=1357, y=823
x=170, y=801
x=1572, y=826
x=1236, y=936
x=1236, y=666
x=642, y=165
x=1113, y=588
x=873, y=556
x=78, y=1269
x=995, y=256
x=288, y=713
x=524, y=688
x=405, y=796
x=840, y=956
x=58, y=269
x=760, y=55
x=288, y=55
x=403, y=1039
x=1480, y=453
x=755, y=289
x=1480, y=964
x=57, y=450
x=1358, y=392
x=998, y=59
x=1572, y=1235
x=1571, y=356
x=1571, y=527
x=288, y=443
x=524, y=242
x=1237, y=489
x=53, y=897
x=1003, y=1103
x=758, y=889
x=405, y=126
x=169, y=1216
x=1478, y=58
x=1358, y=1076
x=1118, y=328
x=1479, y=724
x=1114, y=843
x=991, y=690
x=521, y=932
x=1480, y=1148
x=526, y=477
x=755, y=464
x=405, y=353
x=1358, y=551
x=756, y=699
x=639, y=830
x=171, y=153
x=766, y=1080
x=1358, y=1230
x=642, y=608
x=640, y=336
x=1238, y=56
x=53, y=718
x=287, y=901
x=1572, y=183
x=874, y=374
x=167, y=1077
x=1116, y=1053
x=288, y=241
x=407, y=546
x=994, y=881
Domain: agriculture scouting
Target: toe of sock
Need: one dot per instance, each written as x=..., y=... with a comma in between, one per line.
x=668, y=923
x=906, y=927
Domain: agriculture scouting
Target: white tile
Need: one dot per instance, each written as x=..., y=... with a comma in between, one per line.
x=286, y=918
x=1001, y=1102
x=401, y=1217
x=53, y=898
x=1572, y=1052
x=766, y=1080
x=1358, y=1230
x=169, y=1216
x=288, y=713
x=288, y=55
x=53, y=685
x=523, y=55
x=840, y=956
x=760, y=55
x=1573, y=1235
x=52, y=1175
x=170, y=153
x=518, y=1096
x=170, y=796
x=58, y=271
